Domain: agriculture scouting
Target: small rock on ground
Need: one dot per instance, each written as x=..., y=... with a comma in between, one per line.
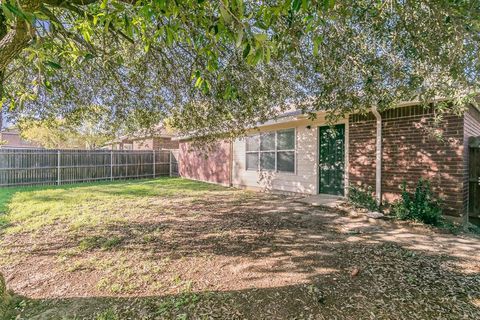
x=375, y=215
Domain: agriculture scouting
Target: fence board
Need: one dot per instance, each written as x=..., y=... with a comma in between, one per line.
x=174, y=163
x=21, y=167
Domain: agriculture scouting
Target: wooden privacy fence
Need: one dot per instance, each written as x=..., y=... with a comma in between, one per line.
x=36, y=166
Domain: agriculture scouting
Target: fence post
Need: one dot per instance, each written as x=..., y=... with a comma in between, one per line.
x=58, y=167
x=154, y=165
x=111, y=165
x=170, y=162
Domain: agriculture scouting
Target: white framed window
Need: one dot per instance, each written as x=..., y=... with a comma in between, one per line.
x=271, y=151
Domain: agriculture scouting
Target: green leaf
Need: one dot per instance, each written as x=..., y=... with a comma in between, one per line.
x=199, y=82
x=126, y=21
x=239, y=39
x=260, y=37
x=316, y=43
x=240, y=8
x=328, y=4
x=246, y=51
x=103, y=5
x=206, y=87
x=41, y=16
x=53, y=65
x=258, y=56
x=169, y=34
x=214, y=28
x=225, y=14
x=15, y=11
x=267, y=54
x=107, y=25
x=47, y=84
x=305, y=4
x=296, y=5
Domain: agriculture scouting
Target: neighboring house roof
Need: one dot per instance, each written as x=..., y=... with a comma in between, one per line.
x=13, y=139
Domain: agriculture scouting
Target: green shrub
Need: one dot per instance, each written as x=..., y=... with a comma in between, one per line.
x=363, y=198
x=421, y=206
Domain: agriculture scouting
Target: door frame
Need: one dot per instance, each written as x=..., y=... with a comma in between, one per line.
x=346, y=159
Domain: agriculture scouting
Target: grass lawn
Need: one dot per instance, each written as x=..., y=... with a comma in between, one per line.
x=171, y=248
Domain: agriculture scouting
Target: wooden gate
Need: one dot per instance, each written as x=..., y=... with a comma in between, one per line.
x=474, y=177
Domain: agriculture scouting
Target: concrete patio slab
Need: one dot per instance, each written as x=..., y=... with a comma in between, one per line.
x=323, y=200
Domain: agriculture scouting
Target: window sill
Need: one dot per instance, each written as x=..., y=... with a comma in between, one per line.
x=273, y=171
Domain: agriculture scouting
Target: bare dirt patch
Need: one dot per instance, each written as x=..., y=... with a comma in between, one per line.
x=239, y=255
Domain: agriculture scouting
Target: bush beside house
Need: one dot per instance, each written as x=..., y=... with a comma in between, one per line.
x=421, y=205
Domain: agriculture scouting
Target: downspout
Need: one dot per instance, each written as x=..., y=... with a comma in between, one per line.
x=378, y=156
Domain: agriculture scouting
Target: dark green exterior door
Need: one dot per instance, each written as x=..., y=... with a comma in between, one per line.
x=332, y=159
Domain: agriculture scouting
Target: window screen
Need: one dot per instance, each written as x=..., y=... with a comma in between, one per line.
x=286, y=161
x=267, y=160
x=252, y=143
x=286, y=140
x=286, y=150
x=267, y=141
x=252, y=161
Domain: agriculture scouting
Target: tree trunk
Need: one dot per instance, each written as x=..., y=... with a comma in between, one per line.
x=1, y=104
x=16, y=38
x=3, y=32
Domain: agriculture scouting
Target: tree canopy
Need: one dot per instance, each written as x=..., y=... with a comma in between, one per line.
x=85, y=128
x=221, y=66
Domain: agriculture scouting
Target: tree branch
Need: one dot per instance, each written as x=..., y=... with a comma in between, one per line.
x=80, y=12
x=66, y=33
x=13, y=41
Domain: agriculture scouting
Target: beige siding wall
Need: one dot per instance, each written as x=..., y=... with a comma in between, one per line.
x=304, y=180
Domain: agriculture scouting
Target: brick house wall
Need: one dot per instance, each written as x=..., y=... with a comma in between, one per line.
x=13, y=139
x=411, y=149
x=143, y=144
x=212, y=165
x=164, y=143
x=361, y=150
